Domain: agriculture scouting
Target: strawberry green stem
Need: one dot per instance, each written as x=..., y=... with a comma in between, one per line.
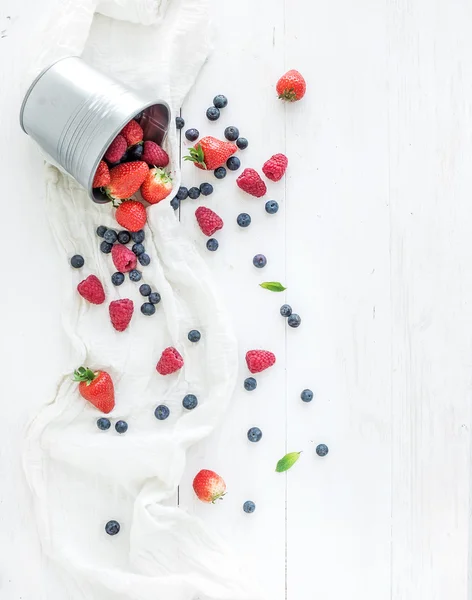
x=84, y=374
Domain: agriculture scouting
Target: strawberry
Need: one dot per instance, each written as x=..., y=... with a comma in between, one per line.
x=131, y=215
x=170, y=362
x=155, y=155
x=208, y=220
x=97, y=388
x=275, y=167
x=102, y=175
x=156, y=186
x=133, y=133
x=123, y=258
x=92, y=290
x=121, y=312
x=259, y=360
x=250, y=181
x=210, y=153
x=126, y=179
x=116, y=149
x=291, y=86
x=209, y=486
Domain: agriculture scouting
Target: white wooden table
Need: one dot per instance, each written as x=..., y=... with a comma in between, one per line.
x=373, y=240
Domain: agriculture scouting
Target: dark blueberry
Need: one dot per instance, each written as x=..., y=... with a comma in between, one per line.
x=285, y=310
x=110, y=236
x=112, y=527
x=134, y=153
x=114, y=164
x=189, y=402
x=322, y=449
x=175, y=203
x=233, y=163
x=77, y=261
x=105, y=247
x=294, y=320
x=212, y=245
x=148, y=309
x=144, y=289
x=124, y=237
x=206, y=189
x=162, y=412
x=101, y=230
x=254, y=434
x=242, y=143
x=259, y=261
x=249, y=506
x=117, y=278
x=194, y=335
x=243, y=220
x=137, y=249
x=220, y=101
x=231, y=133
x=193, y=193
x=213, y=113
x=179, y=123
x=192, y=134
x=250, y=384
x=144, y=259
x=271, y=207
x=154, y=297
x=103, y=424
x=306, y=395
x=138, y=236
x=121, y=426
x=220, y=173
x=135, y=275
x=182, y=193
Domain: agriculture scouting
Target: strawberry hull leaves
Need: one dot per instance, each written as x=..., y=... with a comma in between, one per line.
x=287, y=462
x=273, y=286
x=196, y=156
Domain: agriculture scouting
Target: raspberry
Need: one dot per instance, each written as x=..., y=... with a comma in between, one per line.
x=208, y=220
x=259, y=360
x=102, y=175
x=133, y=133
x=123, y=258
x=92, y=290
x=121, y=312
x=275, y=167
x=249, y=181
x=154, y=155
x=169, y=362
x=116, y=149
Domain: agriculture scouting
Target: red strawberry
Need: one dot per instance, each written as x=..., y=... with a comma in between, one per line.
x=102, y=175
x=92, y=290
x=121, y=312
x=259, y=360
x=208, y=220
x=250, y=181
x=97, y=388
x=126, y=179
x=210, y=153
x=133, y=133
x=209, y=486
x=291, y=86
x=131, y=215
x=116, y=149
x=123, y=259
x=156, y=186
x=275, y=167
x=155, y=155
x=170, y=362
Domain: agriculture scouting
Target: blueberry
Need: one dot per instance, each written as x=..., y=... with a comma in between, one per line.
x=179, y=123
x=250, y=384
x=144, y=289
x=192, y=134
x=135, y=275
x=285, y=310
x=194, y=335
x=193, y=193
x=233, y=163
x=117, y=278
x=124, y=237
x=306, y=395
x=112, y=527
x=134, y=153
x=189, y=402
x=144, y=259
x=212, y=245
x=101, y=230
x=220, y=173
x=148, y=309
x=206, y=189
x=220, y=101
x=322, y=449
x=259, y=261
x=77, y=261
x=271, y=207
x=243, y=220
x=182, y=193
x=254, y=434
x=249, y=506
x=110, y=236
x=175, y=203
x=294, y=320
x=162, y=412
x=138, y=236
x=105, y=247
x=242, y=143
x=103, y=424
x=121, y=426
x=137, y=249
x=154, y=298
x=231, y=133
x=213, y=113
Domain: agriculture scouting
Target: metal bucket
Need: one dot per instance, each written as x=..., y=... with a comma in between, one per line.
x=74, y=112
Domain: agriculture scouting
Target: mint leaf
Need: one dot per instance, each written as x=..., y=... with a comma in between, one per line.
x=273, y=286
x=287, y=461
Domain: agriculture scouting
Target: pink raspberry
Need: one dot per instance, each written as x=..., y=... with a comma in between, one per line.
x=123, y=259
x=154, y=155
x=170, y=362
x=116, y=149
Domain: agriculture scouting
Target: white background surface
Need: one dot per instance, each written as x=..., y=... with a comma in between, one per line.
x=373, y=241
